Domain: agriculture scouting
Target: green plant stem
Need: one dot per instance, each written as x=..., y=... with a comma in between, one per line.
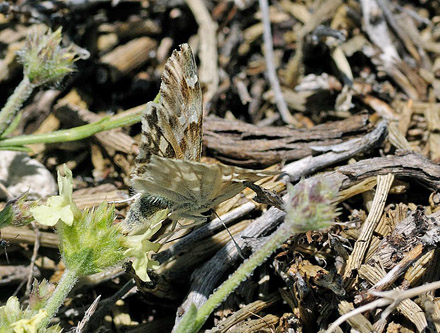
x=14, y=103
x=16, y=148
x=65, y=285
x=245, y=270
x=13, y=125
x=77, y=133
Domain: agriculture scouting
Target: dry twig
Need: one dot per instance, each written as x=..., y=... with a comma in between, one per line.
x=270, y=67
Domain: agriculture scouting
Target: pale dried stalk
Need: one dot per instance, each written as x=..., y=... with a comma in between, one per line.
x=248, y=311
x=408, y=308
x=418, y=269
x=358, y=322
x=432, y=115
x=89, y=313
x=127, y=57
x=22, y=235
x=397, y=138
x=363, y=242
x=208, y=48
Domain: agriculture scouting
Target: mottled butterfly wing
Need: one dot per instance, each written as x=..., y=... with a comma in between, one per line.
x=191, y=188
x=173, y=127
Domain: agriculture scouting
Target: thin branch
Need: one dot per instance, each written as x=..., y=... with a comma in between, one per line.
x=34, y=257
x=271, y=73
x=392, y=298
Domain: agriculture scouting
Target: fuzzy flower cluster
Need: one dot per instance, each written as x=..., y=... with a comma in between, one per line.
x=90, y=242
x=45, y=61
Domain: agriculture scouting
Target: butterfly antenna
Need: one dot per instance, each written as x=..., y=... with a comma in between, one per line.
x=6, y=255
x=132, y=198
x=168, y=240
x=265, y=196
x=240, y=252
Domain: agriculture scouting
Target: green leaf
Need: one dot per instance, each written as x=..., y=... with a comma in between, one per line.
x=6, y=216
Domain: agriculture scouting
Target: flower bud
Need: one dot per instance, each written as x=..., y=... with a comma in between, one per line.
x=17, y=212
x=311, y=204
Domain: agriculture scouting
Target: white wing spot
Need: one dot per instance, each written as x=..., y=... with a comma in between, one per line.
x=192, y=81
x=163, y=144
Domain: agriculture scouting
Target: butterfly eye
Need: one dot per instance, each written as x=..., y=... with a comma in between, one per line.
x=208, y=213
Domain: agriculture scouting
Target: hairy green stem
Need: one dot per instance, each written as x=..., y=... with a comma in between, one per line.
x=283, y=233
x=65, y=285
x=14, y=124
x=77, y=133
x=14, y=103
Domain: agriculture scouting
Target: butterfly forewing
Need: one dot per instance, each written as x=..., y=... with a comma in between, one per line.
x=172, y=127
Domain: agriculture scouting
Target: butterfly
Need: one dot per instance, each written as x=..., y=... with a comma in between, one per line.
x=168, y=172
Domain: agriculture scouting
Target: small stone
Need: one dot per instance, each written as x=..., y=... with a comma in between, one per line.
x=19, y=173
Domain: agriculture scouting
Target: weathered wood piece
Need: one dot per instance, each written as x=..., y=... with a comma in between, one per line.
x=125, y=58
x=244, y=144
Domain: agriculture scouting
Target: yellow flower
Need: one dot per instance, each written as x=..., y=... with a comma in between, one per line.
x=139, y=246
x=58, y=207
x=29, y=325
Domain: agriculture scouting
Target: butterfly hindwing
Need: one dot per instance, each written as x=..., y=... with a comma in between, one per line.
x=192, y=188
